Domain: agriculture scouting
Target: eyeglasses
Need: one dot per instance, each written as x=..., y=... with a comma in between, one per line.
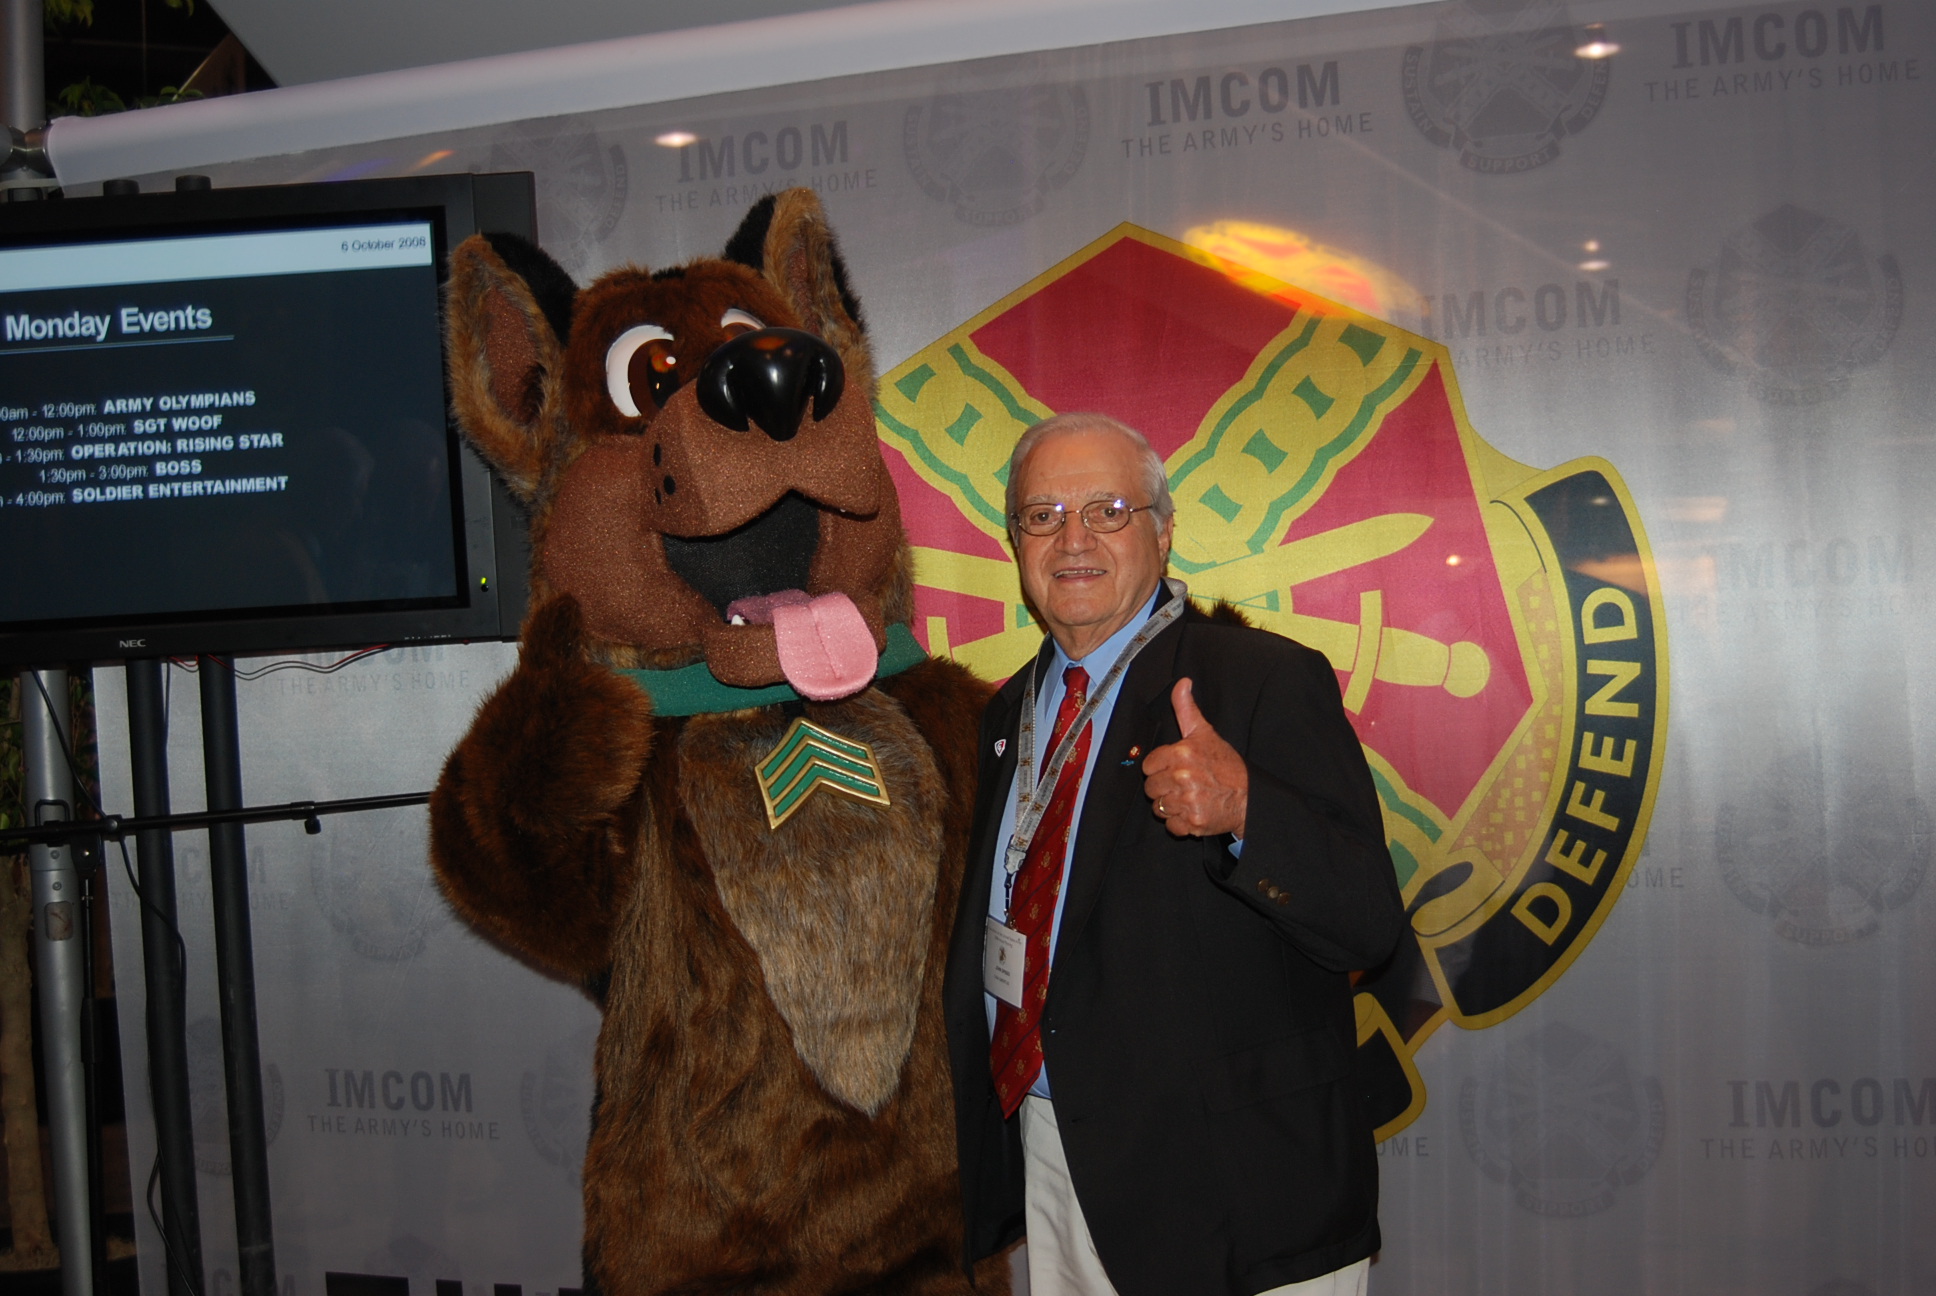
x=1100, y=516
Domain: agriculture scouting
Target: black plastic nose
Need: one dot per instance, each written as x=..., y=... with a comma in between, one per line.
x=768, y=376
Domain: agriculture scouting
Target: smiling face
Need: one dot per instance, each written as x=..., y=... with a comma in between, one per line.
x=1084, y=587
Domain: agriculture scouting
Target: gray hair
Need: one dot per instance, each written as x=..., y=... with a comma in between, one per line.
x=1156, y=479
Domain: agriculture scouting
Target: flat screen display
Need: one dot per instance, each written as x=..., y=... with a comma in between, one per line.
x=225, y=421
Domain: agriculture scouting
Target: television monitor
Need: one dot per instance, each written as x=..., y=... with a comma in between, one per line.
x=224, y=423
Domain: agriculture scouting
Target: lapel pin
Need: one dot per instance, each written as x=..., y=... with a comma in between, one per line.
x=1001, y=745
x=1134, y=752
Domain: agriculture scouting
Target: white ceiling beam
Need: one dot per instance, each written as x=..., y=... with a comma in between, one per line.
x=659, y=68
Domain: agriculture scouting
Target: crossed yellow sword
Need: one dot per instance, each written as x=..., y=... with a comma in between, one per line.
x=1369, y=650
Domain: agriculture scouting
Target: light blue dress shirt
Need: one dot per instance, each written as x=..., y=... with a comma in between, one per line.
x=1048, y=700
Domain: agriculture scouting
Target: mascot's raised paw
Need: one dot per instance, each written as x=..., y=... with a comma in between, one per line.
x=725, y=789
x=528, y=819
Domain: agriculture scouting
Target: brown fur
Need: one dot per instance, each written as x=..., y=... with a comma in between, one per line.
x=836, y=900
x=504, y=367
x=717, y=1160
x=774, y=1108
x=541, y=415
x=799, y=258
x=531, y=821
x=1228, y=614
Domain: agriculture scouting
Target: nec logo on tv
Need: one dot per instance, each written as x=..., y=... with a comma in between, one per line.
x=132, y=643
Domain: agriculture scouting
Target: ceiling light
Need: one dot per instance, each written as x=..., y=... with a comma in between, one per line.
x=676, y=139
x=1596, y=45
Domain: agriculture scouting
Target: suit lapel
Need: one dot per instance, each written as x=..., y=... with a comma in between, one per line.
x=1143, y=718
x=997, y=772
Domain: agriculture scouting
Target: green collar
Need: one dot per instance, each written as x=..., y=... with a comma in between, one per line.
x=692, y=690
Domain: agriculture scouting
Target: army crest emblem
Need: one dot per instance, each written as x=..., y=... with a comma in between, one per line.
x=1496, y=628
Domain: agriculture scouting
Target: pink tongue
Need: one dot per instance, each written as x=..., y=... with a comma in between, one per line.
x=825, y=647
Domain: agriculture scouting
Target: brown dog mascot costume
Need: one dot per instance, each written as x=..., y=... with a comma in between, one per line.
x=724, y=790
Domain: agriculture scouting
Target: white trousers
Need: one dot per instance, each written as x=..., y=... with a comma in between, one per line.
x=1062, y=1258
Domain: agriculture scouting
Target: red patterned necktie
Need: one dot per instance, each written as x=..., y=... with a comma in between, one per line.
x=1016, y=1055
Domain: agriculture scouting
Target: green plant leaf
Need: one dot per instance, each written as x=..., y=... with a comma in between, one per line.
x=60, y=11
x=89, y=98
x=168, y=95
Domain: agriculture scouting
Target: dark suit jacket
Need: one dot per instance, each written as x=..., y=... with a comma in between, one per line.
x=1199, y=1028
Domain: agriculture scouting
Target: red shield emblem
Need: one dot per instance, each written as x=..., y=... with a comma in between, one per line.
x=1328, y=483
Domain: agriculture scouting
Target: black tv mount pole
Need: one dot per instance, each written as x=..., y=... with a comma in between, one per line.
x=115, y=827
x=167, y=982
x=167, y=1040
x=228, y=873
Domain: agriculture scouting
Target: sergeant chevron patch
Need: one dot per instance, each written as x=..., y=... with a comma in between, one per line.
x=809, y=758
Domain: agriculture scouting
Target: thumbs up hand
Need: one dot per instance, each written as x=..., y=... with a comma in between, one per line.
x=1200, y=786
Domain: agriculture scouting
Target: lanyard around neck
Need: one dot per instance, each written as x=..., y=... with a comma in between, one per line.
x=1037, y=792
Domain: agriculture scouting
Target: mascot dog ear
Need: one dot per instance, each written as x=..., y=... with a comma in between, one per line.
x=785, y=237
x=510, y=318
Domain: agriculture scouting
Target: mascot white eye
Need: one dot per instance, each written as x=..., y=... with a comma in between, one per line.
x=641, y=364
x=737, y=321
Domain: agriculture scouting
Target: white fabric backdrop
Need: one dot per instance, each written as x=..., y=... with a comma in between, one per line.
x=1726, y=1092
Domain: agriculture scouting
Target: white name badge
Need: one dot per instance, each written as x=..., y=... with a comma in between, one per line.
x=1004, y=960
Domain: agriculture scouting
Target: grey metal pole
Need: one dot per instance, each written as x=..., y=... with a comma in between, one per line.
x=59, y=929
x=23, y=76
x=25, y=172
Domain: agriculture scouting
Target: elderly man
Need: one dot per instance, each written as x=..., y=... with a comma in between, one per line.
x=1178, y=861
